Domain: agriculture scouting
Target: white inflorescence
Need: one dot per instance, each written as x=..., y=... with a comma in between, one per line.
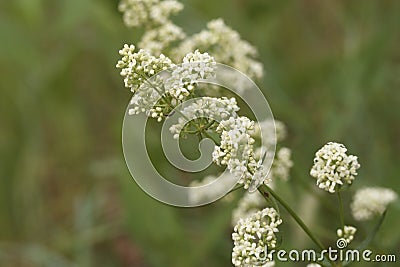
x=136, y=67
x=274, y=131
x=226, y=46
x=146, y=100
x=371, y=201
x=333, y=168
x=236, y=151
x=250, y=203
x=282, y=164
x=139, y=67
x=347, y=233
x=148, y=12
x=313, y=265
x=195, y=66
x=201, y=196
x=159, y=39
x=206, y=107
x=252, y=235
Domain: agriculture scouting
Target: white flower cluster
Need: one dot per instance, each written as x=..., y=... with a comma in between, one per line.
x=268, y=127
x=226, y=46
x=148, y=100
x=281, y=164
x=200, y=196
x=159, y=39
x=250, y=203
x=333, y=168
x=313, y=265
x=210, y=108
x=252, y=235
x=371, y=201
x=136, y=67
x=347, y=233
x=237, y=153
x=195, y=66
x=148, y=12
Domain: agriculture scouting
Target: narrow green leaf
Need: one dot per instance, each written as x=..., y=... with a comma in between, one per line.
x=364, y=244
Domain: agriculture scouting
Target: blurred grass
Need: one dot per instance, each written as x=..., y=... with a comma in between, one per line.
x=66, y=198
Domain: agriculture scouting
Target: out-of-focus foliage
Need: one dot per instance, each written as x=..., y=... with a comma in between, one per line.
x=66, y=197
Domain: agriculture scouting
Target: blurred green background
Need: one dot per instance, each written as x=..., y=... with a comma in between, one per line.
x=66, y=197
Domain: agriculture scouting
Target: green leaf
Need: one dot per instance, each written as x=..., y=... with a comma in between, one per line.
x=372, y=234
x=364, y=244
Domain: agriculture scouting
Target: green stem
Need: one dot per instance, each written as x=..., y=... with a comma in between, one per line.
x=199, y=129
x=341, y=214
x=199, y=135
x=155, y=88
x=208, y=125
x=235, y=188
x=212, y=138
x=265, y=190
x=168, y=102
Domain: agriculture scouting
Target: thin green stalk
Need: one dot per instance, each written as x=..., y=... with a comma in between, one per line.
x=155, y=88
x=212, y=138
x=208, y=125
x=265, y=190
x=341, y=213
x=163, y=97
x=203, y=131
x=200, y=137
x=235, y=188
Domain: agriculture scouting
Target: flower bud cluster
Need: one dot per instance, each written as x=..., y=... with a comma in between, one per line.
x=236, y=151
x=333, y=168
x=136, y=67
x=347, y=233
